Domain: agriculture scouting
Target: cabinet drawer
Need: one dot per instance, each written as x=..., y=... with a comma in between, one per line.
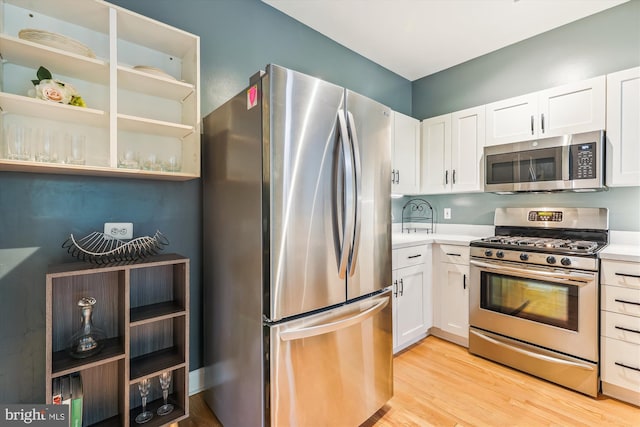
x=621, y=273
x=454, y=254
x=621, y=327
x=406, y=257
x=621, y=300
x=616, y=353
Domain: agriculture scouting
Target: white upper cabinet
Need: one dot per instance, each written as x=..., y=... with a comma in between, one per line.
x=139, y=79
x=467, y=144
x=572, y=108
x=436, y=154
x=623, y=128
x=512, y=119
x=452, y=146
x=405, y=176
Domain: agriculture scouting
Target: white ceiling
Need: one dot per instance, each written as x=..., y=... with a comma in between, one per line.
x=416, y=38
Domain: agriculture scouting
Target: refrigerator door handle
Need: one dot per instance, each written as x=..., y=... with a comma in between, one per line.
x=348, y=206
x=353, y=258
x=327, y=328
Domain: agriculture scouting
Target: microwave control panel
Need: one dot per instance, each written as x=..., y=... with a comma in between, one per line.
x=583, y=161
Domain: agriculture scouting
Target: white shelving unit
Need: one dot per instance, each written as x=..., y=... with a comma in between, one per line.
x=127, y=109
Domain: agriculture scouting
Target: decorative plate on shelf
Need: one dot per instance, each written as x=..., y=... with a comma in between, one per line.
x=153, y=70
x=55, y=40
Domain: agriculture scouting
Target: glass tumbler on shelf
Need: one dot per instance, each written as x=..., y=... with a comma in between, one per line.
x=165, y=383
x=88, y=340
x=76, y=149
x=18, y=142
x=144, y=386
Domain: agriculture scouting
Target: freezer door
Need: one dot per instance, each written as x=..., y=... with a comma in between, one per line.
x=303, y=168
x=369, y=125
x=333, y=368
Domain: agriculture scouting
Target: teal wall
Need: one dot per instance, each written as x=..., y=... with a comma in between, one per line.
x=593, y=46
x=596, y=45
x=478, y=208
x=38, y=211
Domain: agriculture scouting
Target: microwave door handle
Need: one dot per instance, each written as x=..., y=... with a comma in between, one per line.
x=532, y=173
x=566, y=157
x=579, y=278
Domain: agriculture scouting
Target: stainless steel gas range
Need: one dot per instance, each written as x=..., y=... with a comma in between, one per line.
x=534, y=293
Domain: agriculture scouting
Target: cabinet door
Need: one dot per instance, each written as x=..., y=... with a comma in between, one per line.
x=409, y=307
x=467, y=143
x=512, y=120
x=454, y=299
x=573, y=108
x=406, y=154
x=394, y=288
x=623, y=128
x=436, y=155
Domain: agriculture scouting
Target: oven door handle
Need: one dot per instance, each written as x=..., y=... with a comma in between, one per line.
x=578, y=277
x=532, y=354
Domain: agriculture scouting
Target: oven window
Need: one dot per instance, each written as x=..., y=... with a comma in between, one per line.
x=544, y=302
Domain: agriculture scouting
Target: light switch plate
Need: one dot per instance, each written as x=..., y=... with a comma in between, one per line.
x=447, y=213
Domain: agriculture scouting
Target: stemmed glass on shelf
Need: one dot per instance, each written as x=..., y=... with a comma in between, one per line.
x=165, y=382
x=143, y=387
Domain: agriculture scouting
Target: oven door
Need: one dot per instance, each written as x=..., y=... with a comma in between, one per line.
x=552, y=308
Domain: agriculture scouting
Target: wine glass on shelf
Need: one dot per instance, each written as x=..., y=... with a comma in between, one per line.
x=144, y=387
x=165, y=382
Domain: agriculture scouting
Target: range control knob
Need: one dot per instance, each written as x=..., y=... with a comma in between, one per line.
x=551, y=259
x=565, y=261
x=488, y=252
x=524, y=257
x=500, y=254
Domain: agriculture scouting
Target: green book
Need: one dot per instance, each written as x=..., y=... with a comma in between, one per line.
x=76, y=400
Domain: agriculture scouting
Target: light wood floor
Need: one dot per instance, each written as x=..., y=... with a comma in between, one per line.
x=437, y=383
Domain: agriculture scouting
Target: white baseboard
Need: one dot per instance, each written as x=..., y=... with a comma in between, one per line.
x=196, y=381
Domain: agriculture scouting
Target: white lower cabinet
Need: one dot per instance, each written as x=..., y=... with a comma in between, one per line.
x=620, y=330
x=411, y=295
x=451, y=293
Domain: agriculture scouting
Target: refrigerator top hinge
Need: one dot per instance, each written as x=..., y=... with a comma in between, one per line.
x=256, y=77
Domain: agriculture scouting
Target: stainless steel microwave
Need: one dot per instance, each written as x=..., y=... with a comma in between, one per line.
x=565, y=163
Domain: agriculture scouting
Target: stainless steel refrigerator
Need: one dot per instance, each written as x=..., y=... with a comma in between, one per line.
x=297, y=254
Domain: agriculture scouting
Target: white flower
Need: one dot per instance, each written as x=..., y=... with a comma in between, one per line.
x=55, y=90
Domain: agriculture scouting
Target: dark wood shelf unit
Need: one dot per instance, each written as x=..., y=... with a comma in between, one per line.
x=153, y=363
x=151, y=312
x=143, y=308
x=63, y=364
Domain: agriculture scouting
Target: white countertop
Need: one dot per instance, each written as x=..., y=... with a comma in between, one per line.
x=621, y=252
x=460, y=234
x=623, y=246
x=402, y=240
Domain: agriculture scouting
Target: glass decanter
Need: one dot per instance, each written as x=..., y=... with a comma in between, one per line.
x=88, y=340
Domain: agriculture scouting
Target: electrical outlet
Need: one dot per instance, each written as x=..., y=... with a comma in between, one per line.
x=119, y=230
x=447, y=213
